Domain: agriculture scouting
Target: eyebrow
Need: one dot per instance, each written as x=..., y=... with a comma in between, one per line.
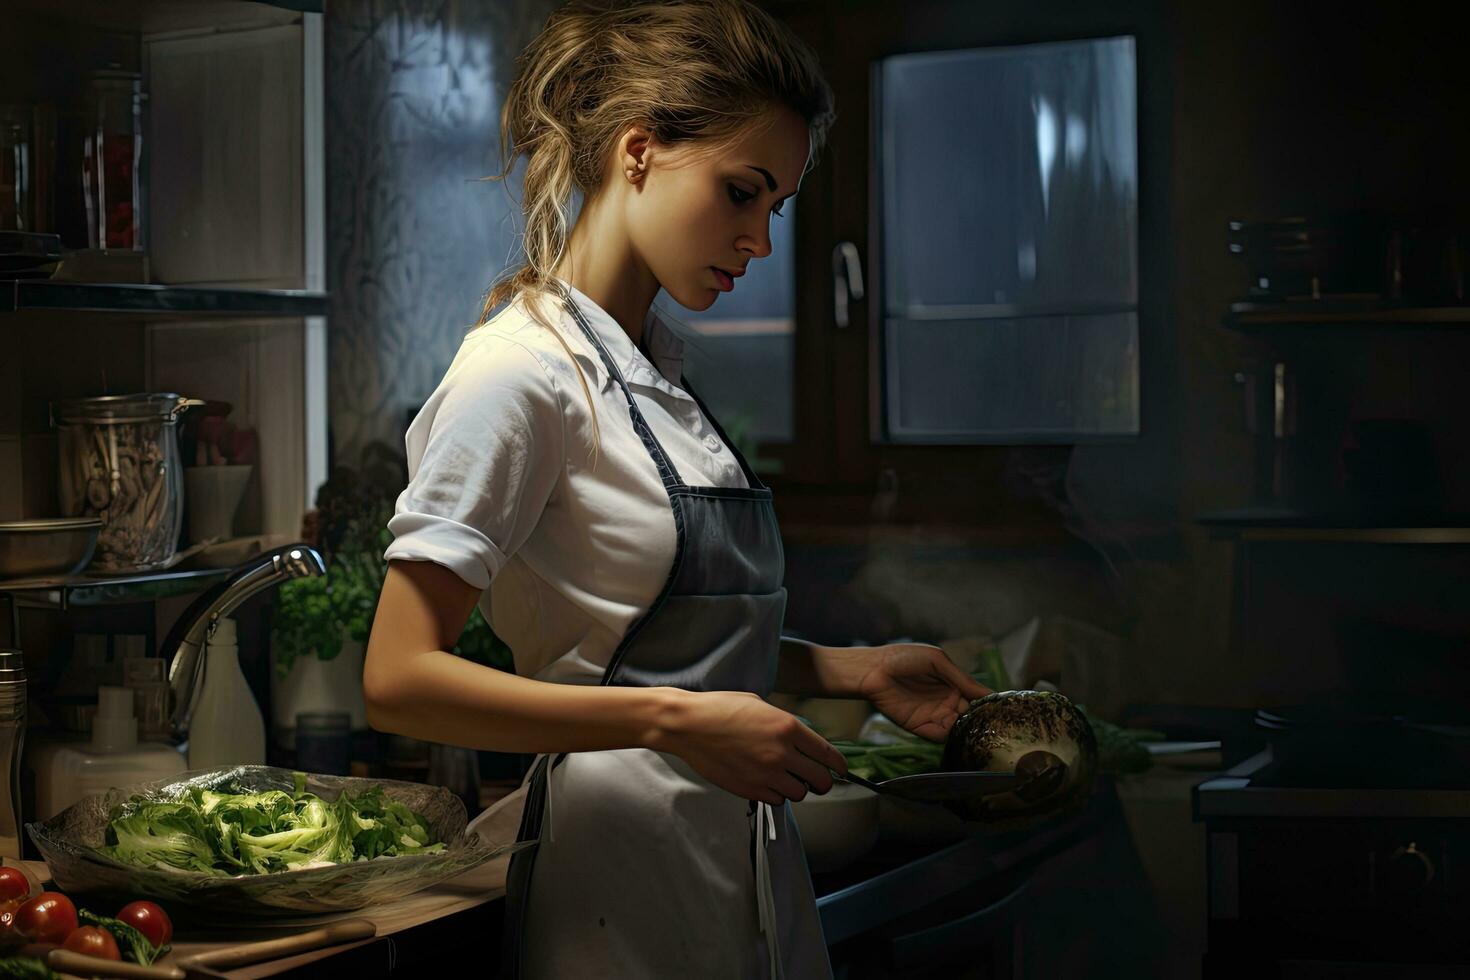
x=770, y=181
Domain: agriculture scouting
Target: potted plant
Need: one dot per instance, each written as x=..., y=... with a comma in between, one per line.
x=321, y=623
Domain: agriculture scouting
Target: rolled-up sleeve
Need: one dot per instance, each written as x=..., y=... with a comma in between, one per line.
x=484, y=457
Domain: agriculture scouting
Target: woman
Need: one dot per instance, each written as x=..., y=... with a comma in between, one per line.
x=631, y=557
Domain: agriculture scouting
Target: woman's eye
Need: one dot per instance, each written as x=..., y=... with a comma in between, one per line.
x=740, y=197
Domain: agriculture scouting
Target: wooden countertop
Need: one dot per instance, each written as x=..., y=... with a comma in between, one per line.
x=474, y=889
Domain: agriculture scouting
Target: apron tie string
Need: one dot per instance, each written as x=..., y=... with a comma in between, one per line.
x=550, y=834
x=765, y=832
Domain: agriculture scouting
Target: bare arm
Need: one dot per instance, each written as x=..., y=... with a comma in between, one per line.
x=413, y=687
x=810, y=670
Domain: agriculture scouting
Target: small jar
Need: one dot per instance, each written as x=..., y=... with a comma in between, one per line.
x=112, y=159
x=17, y=169
x=118, y=460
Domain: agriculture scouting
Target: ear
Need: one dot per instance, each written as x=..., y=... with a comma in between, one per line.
x=633, y=153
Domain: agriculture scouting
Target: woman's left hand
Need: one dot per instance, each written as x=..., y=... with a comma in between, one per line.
x=918, y=687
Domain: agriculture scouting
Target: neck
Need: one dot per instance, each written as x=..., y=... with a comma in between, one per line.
x=601, y=262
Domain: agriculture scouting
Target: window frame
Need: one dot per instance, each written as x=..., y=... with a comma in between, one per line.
x=831, y=472
x=879, y=429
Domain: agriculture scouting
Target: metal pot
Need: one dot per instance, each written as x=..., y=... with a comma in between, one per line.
x=48, y=546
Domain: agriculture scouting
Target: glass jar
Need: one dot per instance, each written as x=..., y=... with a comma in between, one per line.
x=118, y=460
x=17, y=165
x=112, y=158
x=324, y=742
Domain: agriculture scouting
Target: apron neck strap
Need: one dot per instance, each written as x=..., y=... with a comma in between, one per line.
x=667, y=473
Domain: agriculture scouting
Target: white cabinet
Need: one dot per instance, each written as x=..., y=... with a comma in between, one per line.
x=234, y=206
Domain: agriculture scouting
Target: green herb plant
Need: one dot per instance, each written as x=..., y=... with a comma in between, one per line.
x=349, y=527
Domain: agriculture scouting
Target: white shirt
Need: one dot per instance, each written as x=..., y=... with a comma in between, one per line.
x=503, y=491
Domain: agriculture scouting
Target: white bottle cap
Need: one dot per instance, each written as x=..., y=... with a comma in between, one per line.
x=114, y=729
x=126, y=646
x=224, y=632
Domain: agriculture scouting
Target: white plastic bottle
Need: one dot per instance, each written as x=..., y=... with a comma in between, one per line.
x=113, y=758
x=226, y=727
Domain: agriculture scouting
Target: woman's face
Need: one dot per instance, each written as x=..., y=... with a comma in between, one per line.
x=698, y=218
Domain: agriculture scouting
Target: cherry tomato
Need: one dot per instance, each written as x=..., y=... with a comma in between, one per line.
x=92, y=941
x=13, y=883
x=150, y=920
x=48, y=918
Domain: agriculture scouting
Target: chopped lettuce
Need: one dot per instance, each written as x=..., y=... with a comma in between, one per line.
x=218, y=832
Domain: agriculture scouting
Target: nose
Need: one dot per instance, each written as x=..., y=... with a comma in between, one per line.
x=757, y=243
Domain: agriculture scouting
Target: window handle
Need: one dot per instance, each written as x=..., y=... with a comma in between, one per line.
x=847, y=280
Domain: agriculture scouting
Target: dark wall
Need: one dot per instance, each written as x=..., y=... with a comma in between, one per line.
x=413, y=96
x=1259, y=110
x=1268, y=111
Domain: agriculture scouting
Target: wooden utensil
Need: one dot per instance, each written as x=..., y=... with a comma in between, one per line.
x=210, y=964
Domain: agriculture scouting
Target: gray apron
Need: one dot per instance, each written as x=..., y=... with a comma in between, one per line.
x=648, y=869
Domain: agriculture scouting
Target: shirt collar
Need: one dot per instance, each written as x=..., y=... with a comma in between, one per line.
x=663, y=367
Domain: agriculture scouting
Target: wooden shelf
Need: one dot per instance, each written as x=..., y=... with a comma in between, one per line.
x=1250, y=315
x=158, y=16
x=194, y=570
x=1271, y=525
x=153, y=301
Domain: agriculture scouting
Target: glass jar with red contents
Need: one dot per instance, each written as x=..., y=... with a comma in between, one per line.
x=112, y=157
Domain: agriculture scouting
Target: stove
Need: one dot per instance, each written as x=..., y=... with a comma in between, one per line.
x=1322, y=868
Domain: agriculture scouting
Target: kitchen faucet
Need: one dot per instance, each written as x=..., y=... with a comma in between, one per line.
x=186, y=640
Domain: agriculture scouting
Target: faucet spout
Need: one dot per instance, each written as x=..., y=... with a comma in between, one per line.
x=186, y=640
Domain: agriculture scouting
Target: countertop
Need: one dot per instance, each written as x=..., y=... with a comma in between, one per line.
x=461, y=917
x=421, y=925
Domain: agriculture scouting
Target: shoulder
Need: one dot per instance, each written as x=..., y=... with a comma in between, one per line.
x=514, y=339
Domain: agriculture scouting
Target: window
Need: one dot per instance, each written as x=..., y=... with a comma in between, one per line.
x=1008, y=186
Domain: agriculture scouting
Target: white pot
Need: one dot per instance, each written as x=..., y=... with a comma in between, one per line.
x=213, y=494
x=837, y=827
x=318, y=685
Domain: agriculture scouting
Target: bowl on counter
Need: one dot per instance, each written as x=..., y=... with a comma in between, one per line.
x=47, y=546
x=837, y=827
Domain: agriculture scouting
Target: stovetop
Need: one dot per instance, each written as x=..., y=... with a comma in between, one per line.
x=1263, y=786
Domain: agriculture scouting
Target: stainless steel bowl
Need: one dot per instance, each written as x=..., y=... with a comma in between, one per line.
x=47, y=546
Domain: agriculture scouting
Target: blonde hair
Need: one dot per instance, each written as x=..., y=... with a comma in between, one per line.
x=689, y=70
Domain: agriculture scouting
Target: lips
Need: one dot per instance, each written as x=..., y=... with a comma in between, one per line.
x=725, y=280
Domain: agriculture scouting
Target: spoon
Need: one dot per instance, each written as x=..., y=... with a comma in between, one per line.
x=940, y=787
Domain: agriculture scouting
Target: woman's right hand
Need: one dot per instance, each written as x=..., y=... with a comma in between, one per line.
x=748, y=747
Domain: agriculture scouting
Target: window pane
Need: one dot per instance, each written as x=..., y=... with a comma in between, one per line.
x=738, y=354
x=1009, y=182
x=1010, y=176
x=1039, y=378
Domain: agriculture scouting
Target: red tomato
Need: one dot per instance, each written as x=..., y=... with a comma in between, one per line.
x=150, y=920
x=13, y=884
x=92, y=941
x=48, y=918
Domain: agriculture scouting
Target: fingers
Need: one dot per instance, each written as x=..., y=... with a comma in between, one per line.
x=809, y=771
x=962, y=681
x=789, y=788
x=814, y=746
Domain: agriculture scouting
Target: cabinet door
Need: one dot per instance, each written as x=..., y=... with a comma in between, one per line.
x=225, y=158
